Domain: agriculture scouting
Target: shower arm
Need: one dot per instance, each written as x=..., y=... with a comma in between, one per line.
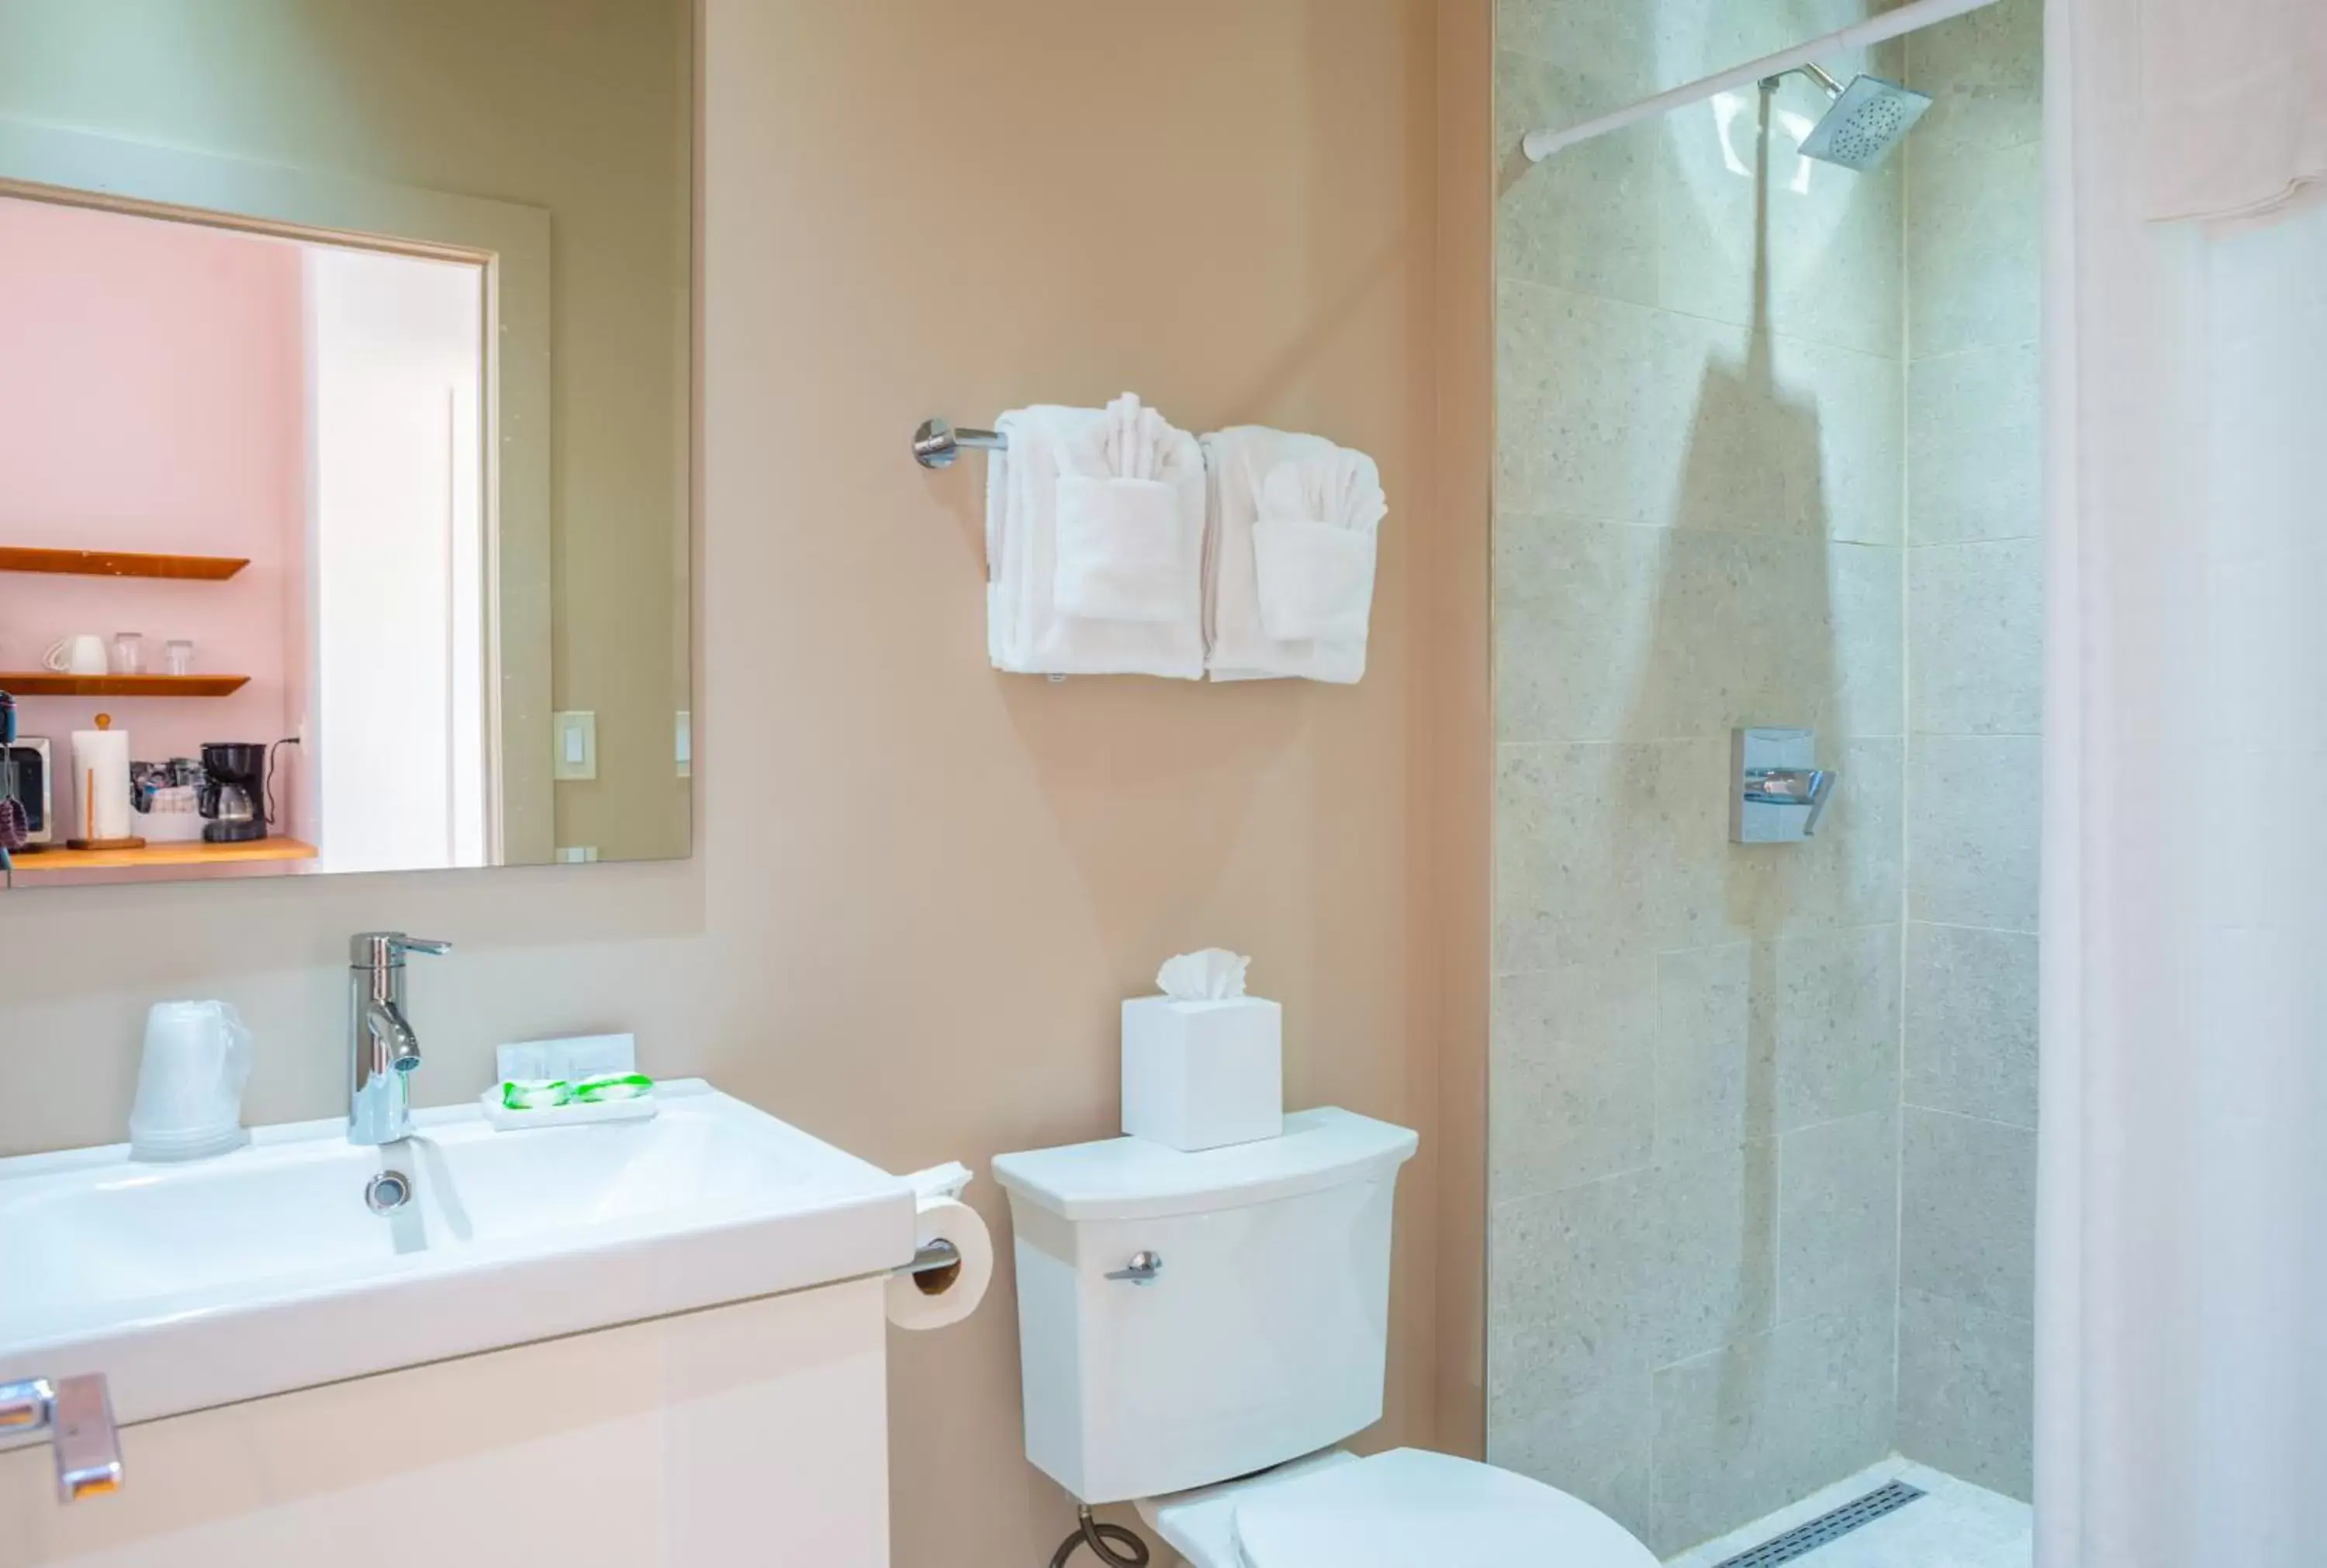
x=1810, y=69
x=1541, y=145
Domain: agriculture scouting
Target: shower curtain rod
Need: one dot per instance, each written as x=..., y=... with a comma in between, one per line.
x=1541, y=145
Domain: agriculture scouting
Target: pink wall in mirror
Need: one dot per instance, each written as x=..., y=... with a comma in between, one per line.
x=153, y=400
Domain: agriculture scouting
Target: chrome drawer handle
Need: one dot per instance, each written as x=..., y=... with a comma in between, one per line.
x=1144, y=1268
x=77, y=1414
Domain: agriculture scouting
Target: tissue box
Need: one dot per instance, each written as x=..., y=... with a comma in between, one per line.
x=1198, y=1075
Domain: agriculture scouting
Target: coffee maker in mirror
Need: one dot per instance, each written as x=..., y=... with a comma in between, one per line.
x=234, y=791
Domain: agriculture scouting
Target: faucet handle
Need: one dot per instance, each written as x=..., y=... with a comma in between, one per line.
x=386, y=949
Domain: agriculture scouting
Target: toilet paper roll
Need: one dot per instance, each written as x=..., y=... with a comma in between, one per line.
x=933, y=1301
x=101, y=763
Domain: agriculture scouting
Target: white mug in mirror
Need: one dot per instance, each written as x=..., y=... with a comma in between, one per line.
x=82, y=653
x=379, y=398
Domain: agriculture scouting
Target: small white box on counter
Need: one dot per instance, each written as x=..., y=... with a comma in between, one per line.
x=1203, y=1075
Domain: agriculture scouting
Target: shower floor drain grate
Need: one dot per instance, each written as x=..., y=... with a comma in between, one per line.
x=1887, y=1499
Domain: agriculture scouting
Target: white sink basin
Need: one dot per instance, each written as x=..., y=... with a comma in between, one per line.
x=264, y=1271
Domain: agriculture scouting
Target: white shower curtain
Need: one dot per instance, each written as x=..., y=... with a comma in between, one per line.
x=2182, y=1404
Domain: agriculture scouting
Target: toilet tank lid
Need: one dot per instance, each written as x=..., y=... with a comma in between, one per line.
x=1133, y=1179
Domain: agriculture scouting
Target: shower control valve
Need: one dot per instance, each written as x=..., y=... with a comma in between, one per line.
x=1778, y=793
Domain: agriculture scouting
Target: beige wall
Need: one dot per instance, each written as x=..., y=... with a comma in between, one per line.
x=920, y=888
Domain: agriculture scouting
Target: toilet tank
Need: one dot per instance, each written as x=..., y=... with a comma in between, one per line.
x=1261, y=1335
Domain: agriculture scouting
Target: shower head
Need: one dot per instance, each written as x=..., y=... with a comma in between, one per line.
x=1867, y=119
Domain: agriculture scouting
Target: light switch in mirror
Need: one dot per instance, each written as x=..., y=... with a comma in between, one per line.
x=378, y=398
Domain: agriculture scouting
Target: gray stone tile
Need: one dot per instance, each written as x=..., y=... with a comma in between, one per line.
x=1837, y=1024
x=1975, y=246
x=1974, y=446
x=1967, y=1392
x=1702, y=37
x=1972, y=837
x=1806, y=438
x=1971, y=1023
x=1567, y=1274
x=1756, y=1424
x=1588, y=220
x=1572, y=1075
x=1601, y=847
x=1973, y=483
x=1838, y=1218
x=1581, y=653
x=1609, y=631
x=1865, y=609
x=1614, y=410
x=1595, y=1446
x=1977, y=647
x=1997, y=387
x=1518, y=839
x=1984, y=73
x=1712, y=1241
x=1605, y=56
x=1967, y=1211
x=1716, y=1048
x=1597, y=404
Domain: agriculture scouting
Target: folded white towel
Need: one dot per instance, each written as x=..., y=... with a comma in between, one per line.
x=1289, y=571
x=1094, y=533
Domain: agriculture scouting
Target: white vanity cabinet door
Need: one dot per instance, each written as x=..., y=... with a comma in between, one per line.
x=755, y=1434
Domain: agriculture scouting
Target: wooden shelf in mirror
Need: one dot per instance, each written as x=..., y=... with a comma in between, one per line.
x=120, y=564
x=39, y=861
x=43, y=683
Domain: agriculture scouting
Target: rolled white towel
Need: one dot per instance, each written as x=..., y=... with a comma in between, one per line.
x=1095, y=526
x=1290, y=574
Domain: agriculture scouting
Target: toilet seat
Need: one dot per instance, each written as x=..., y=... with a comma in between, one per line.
x=1414, y=1509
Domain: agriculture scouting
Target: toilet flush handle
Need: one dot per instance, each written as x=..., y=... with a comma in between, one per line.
x=1146, y=1266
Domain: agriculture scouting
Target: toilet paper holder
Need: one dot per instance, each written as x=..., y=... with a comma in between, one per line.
x=938, y=1256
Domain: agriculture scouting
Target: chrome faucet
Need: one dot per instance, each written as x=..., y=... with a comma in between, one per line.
x=76, y=1416
x=385, y=1049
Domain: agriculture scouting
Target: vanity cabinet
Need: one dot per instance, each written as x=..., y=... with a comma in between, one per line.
x=750, y=1434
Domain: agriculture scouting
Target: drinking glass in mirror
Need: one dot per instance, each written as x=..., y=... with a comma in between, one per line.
x=344, y=434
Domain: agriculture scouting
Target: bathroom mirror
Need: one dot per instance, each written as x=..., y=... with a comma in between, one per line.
x=344, y=434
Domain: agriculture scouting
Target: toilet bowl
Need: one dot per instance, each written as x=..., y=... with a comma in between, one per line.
x=1403, y=1510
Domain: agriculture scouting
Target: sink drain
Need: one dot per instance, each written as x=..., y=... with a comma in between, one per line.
x=387, y=1192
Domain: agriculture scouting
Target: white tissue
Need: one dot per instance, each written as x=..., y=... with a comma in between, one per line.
x=921, y=1302
x=1214, y=974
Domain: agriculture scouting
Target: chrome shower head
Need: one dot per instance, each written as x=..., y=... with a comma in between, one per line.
x=1867, y=119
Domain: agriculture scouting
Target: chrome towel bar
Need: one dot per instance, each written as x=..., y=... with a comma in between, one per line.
x=935, y=444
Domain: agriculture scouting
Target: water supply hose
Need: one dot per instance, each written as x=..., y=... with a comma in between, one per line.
x=1102, y=1540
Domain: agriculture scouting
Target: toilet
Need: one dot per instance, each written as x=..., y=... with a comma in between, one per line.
x=1198, y=1333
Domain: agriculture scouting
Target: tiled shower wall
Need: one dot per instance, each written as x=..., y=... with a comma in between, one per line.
x=1768, y=455
x=1975, y=614
x=1695, y=1046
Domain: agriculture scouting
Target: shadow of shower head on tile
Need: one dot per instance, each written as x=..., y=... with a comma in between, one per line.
x=1740, y=618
